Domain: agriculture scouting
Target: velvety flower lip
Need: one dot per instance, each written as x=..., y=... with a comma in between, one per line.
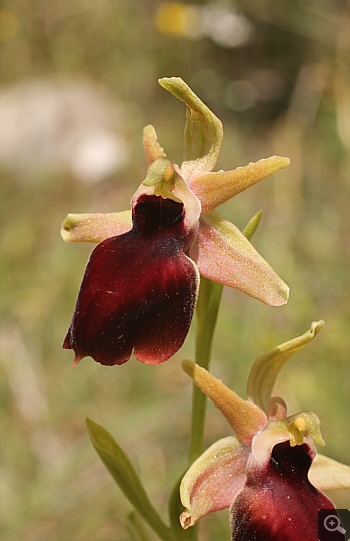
x=278, y=502
x=140, y=285
x=269, y=473
x=167, y=283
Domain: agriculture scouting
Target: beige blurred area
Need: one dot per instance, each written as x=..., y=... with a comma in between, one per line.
x=78, y=83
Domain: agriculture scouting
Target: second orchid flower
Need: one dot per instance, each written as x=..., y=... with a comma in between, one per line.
x=269, y=473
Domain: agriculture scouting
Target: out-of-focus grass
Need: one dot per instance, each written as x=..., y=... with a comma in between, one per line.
x=53, y=486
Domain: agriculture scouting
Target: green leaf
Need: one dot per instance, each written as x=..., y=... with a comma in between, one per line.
x=252, y=225
x=122, y=471
x=135, y=527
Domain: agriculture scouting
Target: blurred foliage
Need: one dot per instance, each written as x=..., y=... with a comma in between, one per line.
x=283, y=89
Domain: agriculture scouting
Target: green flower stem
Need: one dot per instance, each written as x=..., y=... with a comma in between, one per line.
x=207, y=311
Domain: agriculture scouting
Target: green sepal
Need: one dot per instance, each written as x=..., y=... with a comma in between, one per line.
x=207, y=310
x=122, y=471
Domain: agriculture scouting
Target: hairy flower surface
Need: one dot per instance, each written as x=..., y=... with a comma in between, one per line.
x=268, y=474
x=141, y=282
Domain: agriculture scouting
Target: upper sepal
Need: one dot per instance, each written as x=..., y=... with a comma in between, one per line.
x=203, y=131
x=263, y=374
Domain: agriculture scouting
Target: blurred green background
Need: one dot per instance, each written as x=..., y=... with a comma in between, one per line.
x=79, y=82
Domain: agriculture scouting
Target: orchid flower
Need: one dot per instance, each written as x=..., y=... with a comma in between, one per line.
x=141, y=282
x=268, y=474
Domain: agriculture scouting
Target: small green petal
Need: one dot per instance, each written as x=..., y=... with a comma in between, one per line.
x=151, y=147
x=213, y=480
x=245, y=418
x=95, y=227
x=267, y=366
x=203, y=131
x=327, y=474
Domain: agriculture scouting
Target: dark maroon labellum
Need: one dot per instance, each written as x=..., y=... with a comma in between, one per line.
x=138, y=291
x=278, y=503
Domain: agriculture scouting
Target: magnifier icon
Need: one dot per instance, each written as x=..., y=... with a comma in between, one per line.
x=332, y=524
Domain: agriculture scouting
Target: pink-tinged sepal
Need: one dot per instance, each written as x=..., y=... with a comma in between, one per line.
x=224, y=255
x=139, y=290
x=213, y=480
x=278, y=502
